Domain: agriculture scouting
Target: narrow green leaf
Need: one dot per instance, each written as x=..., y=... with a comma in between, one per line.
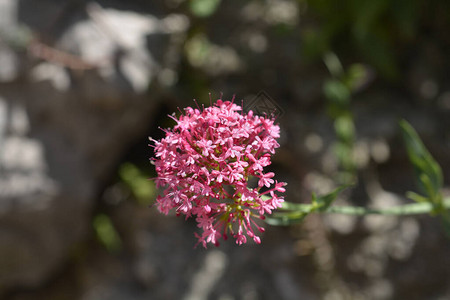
x=416, y=197
x=427, y=170
x=285, y=219
x=429, y=187
x=295, y=206
x=325, y=201
x=292, y=213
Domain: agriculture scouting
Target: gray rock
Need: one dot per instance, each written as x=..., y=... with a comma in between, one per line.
x=42, y=214
x=9, y=63
x=64, y=125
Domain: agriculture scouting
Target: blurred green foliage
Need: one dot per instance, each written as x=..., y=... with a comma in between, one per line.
x=428, y=174
x=204, y=8
x=106, y=233
x=374, y=28
x=338, y=91
x=427, y=170
x=198, y=48
x=141, y=186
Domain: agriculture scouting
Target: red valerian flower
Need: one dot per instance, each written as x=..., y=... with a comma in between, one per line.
x=206, y=163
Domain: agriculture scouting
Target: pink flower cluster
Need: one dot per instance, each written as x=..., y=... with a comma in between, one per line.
x=206, y=164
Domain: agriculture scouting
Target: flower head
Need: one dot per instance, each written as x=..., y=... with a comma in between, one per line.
x=206, y=162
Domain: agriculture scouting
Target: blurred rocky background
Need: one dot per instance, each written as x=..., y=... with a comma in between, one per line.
x=83, y=84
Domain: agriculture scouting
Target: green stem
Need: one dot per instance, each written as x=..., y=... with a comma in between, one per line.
x=407, y=209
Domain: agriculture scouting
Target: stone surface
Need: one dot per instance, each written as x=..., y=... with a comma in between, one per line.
x=63, y=126
x=42, y=214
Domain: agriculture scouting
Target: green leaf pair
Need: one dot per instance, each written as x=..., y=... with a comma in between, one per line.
x=292, y=213
x=428, y=174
